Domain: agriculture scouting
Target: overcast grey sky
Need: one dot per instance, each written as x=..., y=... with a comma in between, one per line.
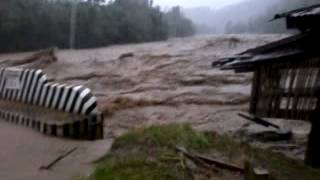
x=196, y=3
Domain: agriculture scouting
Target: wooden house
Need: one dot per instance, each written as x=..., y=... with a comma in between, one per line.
x=286, y=81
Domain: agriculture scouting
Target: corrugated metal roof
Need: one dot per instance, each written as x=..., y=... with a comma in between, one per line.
x=300, y=45
x=279, y=49
x=310, y=12
x=249, y=63
x=294, y=48
x=306, y=11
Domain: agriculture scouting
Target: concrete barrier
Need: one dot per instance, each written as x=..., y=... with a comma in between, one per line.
x=28, y=99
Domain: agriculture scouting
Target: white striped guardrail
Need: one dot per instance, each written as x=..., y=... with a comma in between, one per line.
x=31, y=87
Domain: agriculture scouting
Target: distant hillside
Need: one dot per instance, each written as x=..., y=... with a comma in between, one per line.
x=250, y=16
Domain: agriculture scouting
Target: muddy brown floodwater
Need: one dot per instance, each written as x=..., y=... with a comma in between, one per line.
x=153, y=83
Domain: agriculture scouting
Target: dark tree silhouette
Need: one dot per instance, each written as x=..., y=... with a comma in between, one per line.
x=36, y=24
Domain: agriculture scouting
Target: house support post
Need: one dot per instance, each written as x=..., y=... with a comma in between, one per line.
x=313, y=148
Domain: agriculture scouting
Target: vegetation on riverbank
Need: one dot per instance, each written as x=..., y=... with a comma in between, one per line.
x=149, y=153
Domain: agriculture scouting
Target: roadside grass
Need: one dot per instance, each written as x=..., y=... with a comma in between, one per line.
x=149, y=153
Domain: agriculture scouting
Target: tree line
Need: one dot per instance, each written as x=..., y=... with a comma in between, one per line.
x=36, y=24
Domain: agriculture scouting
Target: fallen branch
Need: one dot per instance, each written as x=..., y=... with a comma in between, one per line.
x=220, y=164
x=258, y=120
x=195, y=159
x=209, y=163
x=59, y=158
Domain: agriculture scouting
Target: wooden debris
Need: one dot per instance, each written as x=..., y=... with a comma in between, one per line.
x=59, y=158
x=126, y=55
x=312, y=157
x=221, y=164
x=261, y=172
x=255, y=173
x=209, y=163
x=195, y=159
x=258, y=120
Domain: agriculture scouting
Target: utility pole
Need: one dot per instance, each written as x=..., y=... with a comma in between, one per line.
x=73, y=23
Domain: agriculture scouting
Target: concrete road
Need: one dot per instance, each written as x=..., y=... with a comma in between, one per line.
x=24, y=151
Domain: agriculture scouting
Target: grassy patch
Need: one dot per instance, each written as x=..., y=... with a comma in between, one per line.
x=164, y=136
x=149, y=154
